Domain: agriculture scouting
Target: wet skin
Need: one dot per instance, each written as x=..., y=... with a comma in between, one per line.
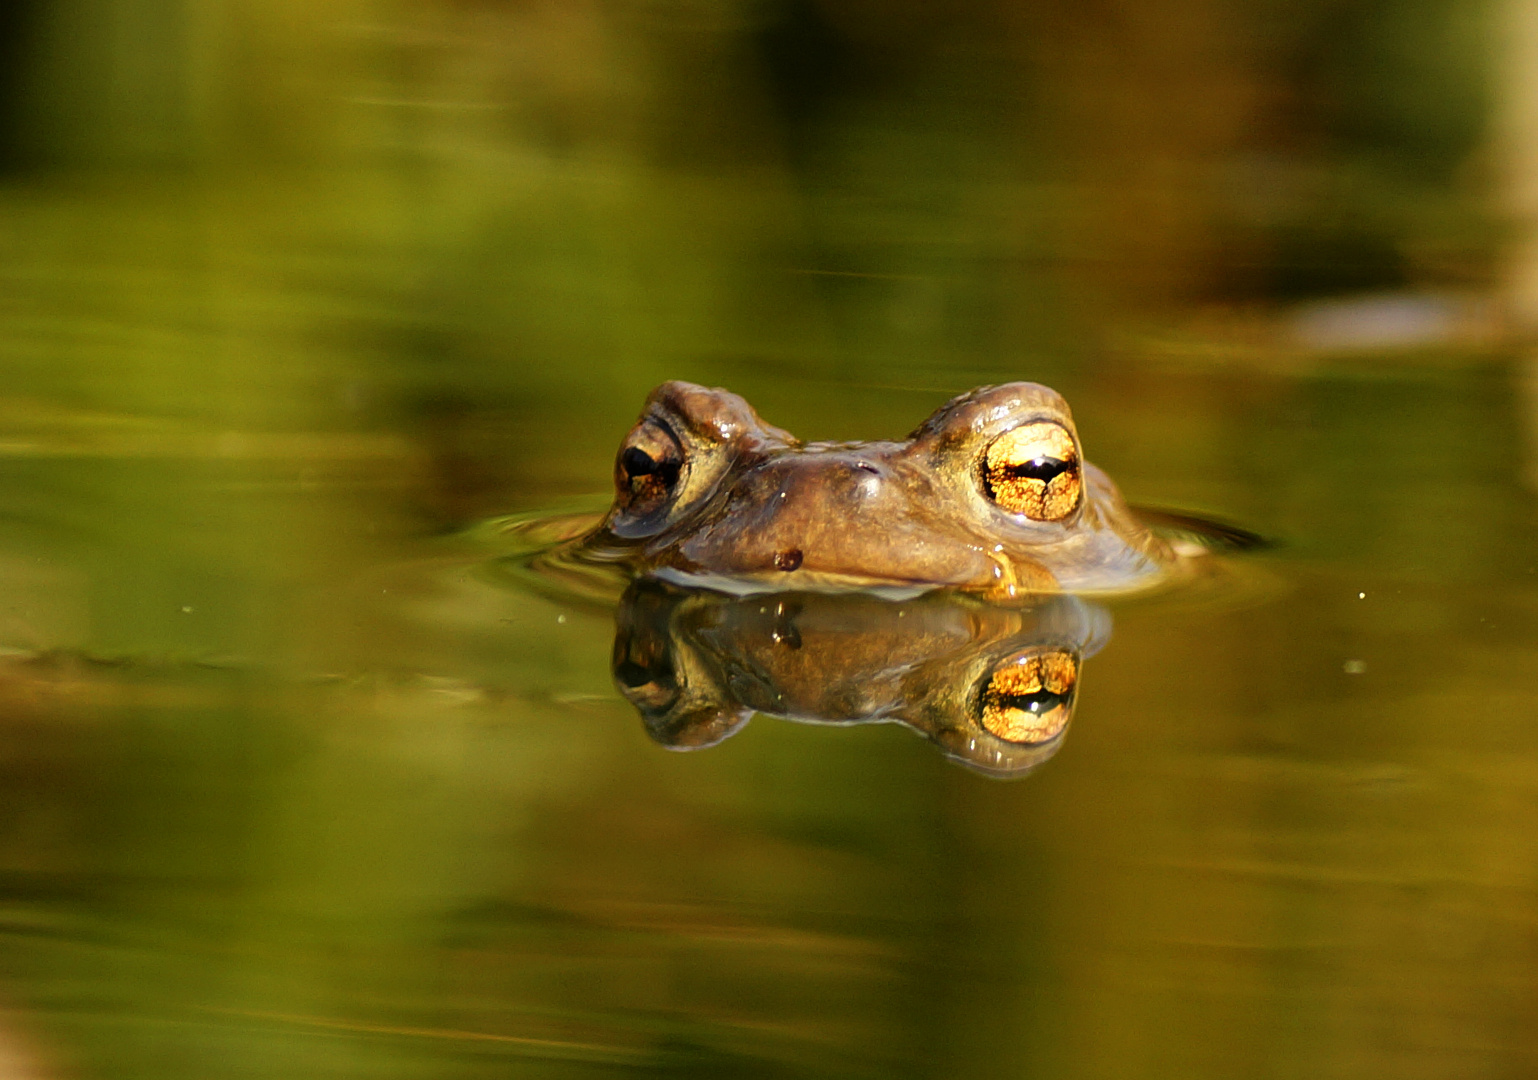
x=992, y=686
x=991, y=494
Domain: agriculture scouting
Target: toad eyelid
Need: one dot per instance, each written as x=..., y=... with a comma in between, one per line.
x=667, y=429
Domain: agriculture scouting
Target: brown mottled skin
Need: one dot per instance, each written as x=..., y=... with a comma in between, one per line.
x=748, y=504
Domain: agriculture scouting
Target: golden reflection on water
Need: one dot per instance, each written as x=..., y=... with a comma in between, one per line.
x=992, y=687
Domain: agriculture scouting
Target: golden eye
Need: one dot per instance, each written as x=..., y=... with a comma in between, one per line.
x=1029, y=698
x=646, y=470
x=1034, y=470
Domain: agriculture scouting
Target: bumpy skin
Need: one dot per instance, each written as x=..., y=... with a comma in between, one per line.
x=740, y=504
x=697, y=665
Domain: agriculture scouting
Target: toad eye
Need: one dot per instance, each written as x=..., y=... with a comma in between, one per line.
x=1029, y=697
x=647, y=469
x=1034, y=470
x=644, y=670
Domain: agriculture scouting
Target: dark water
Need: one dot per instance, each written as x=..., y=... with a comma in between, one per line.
x=297, y=780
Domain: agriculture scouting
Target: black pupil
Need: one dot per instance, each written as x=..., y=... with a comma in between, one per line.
x=632, y=674
x=1042, y=701
x=1042, y=468
x=637, y=462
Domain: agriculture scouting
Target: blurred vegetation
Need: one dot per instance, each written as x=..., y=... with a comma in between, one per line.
x=271, y=213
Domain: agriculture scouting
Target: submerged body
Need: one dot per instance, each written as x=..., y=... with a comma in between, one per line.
x=990, y=494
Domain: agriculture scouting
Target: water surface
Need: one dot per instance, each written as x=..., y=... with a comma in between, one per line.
x=294, y=787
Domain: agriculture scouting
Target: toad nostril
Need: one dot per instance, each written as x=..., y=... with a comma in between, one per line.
x=788, y=559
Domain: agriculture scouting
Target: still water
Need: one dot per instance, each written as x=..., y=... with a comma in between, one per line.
x=304, y=774
x=297, y=786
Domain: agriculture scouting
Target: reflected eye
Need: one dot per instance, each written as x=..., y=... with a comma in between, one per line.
x=643, y=669
x=1029, y=698
x=646, y=471
x=1034, y=470
x=650, y=686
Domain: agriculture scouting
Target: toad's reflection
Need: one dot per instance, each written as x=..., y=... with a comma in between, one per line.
x=992, y=687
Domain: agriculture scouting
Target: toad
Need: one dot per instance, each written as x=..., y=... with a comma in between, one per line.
x=992, y=686
x=990, y=495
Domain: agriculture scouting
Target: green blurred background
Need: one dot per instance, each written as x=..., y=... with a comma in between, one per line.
x=291, y=294
x=436, y=219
